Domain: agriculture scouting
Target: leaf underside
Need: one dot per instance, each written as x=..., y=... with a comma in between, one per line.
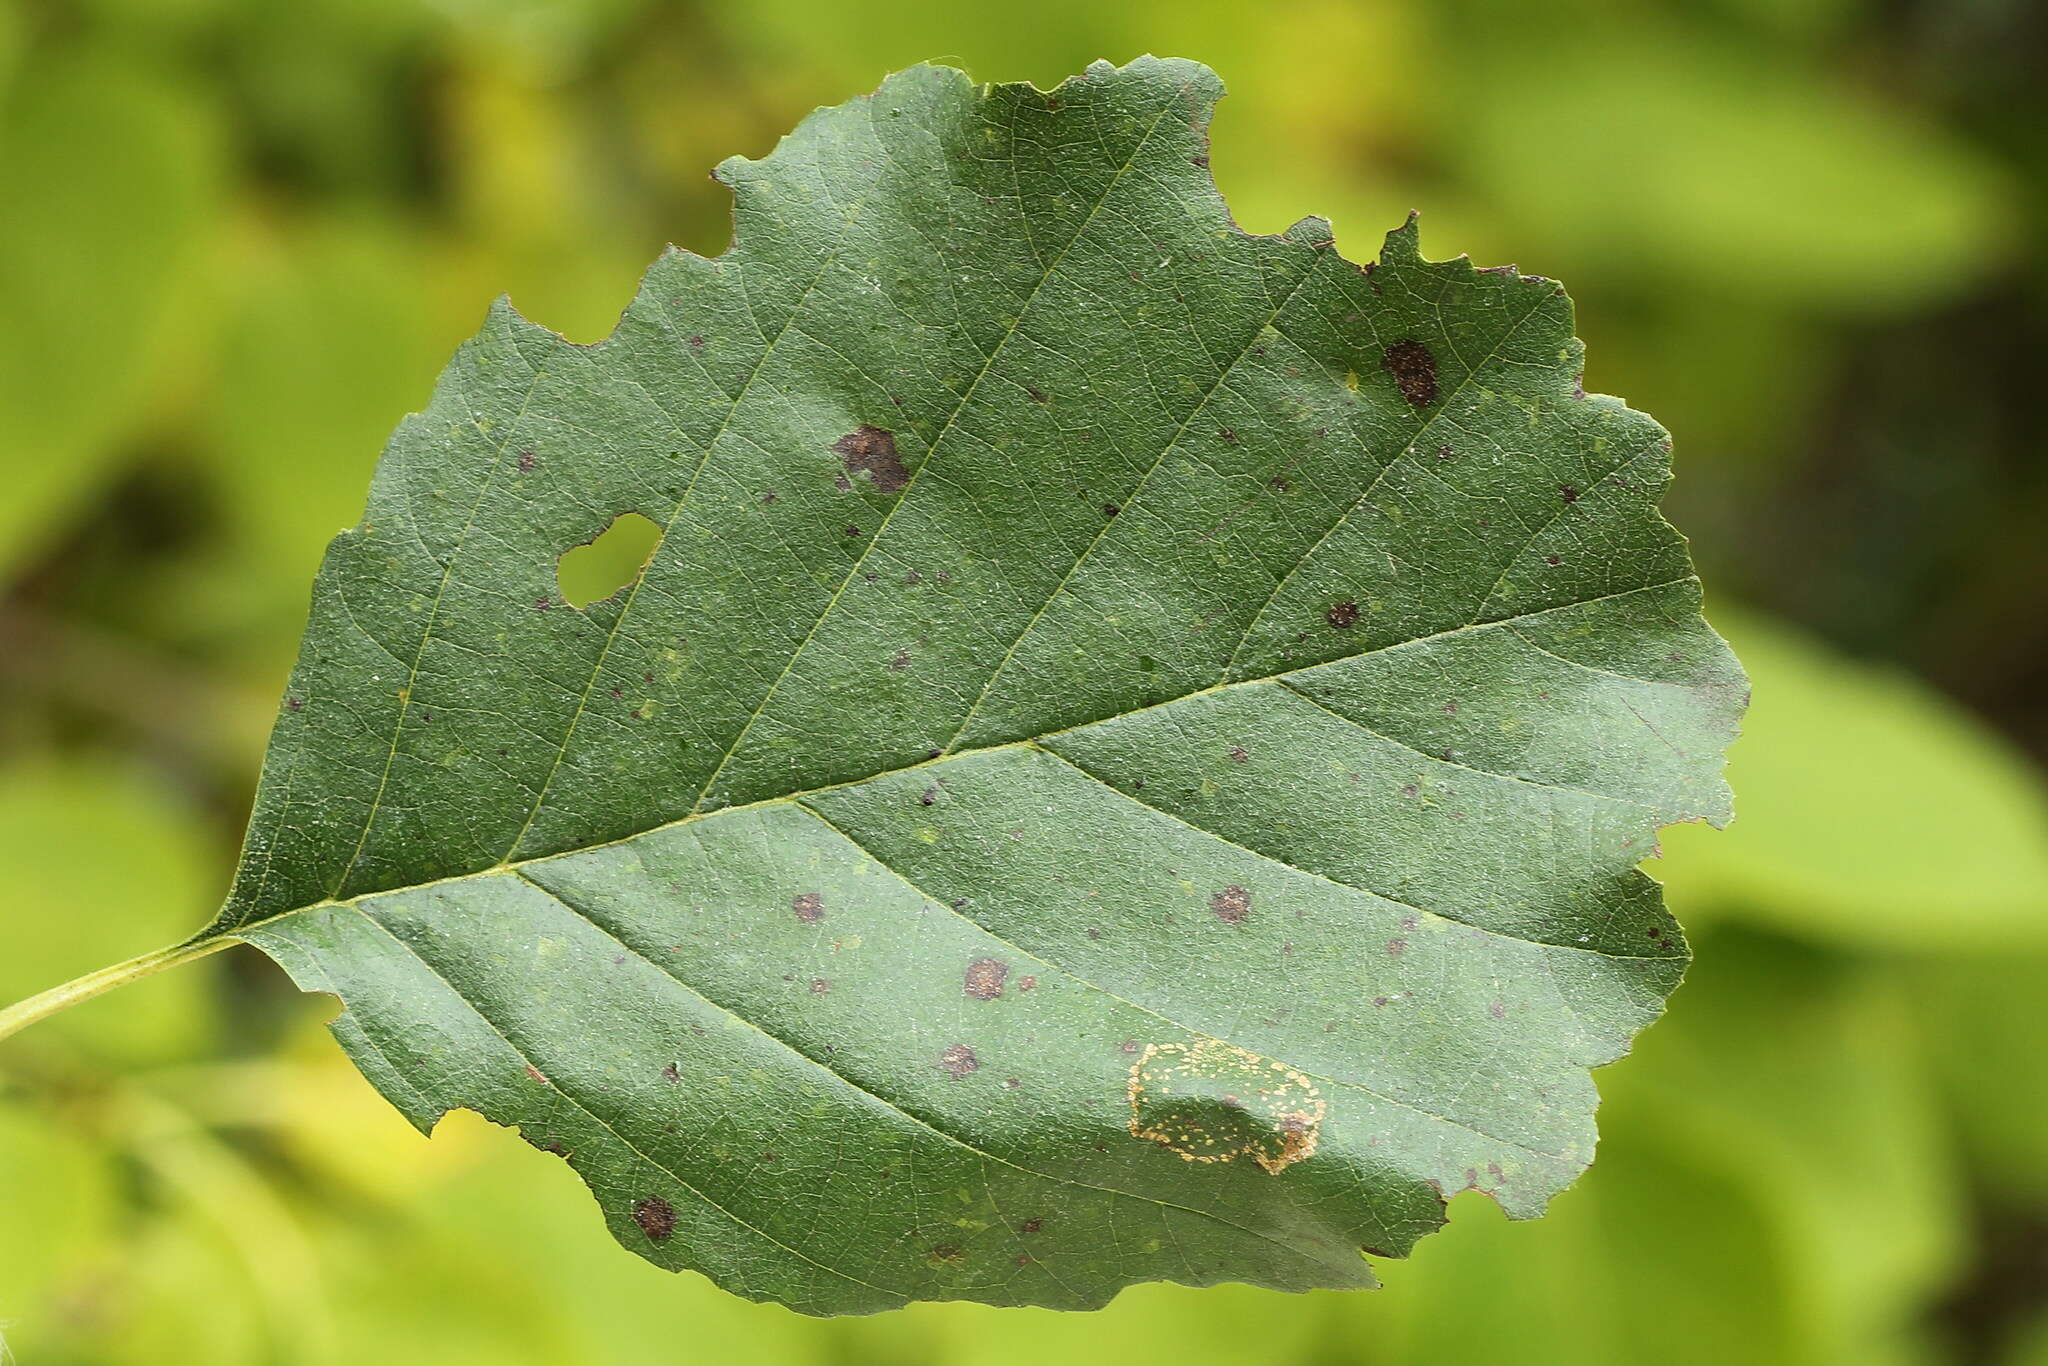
x=1127, y=761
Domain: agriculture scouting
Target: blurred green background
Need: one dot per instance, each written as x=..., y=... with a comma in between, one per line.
x=239, y=237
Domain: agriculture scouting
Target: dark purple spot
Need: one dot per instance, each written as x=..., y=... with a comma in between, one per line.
x=1343, y=616
x=656, y=1217
x=1232, y=904
x=1413, y=369
x=872, y=451
x=985, y=978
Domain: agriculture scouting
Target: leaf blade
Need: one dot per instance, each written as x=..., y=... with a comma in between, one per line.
x=993, y=774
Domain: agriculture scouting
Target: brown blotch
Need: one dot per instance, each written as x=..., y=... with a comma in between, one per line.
x=1499, y=1010
x=809, y=908
x=1238, y=755
x=900, y=660
x=1343, y=616
x=1413, y=369
x=671, y=1075
x=537, y=1074
x=294, y=704
x=1568, y=493
x=872, y=450
x=959, y=1060
x=1232, y=904
x=526, y=461
x=985, y=978
x=1026, y=983
x=820, y=985
x=656, y=1217
x=1397, y=947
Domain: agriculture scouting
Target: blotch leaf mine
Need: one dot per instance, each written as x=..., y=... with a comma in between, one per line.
x=1085, y=788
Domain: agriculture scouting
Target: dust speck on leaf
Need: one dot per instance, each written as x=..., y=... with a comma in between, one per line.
x=985, y=978
x=1232, y=904
x=656, y=1217
x=872, y=451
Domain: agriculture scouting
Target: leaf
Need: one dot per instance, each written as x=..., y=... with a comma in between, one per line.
x=112, y=171
x=1127, y=762
x=1876, y=813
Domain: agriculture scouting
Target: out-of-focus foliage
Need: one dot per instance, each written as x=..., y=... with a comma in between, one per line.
x=240, y=237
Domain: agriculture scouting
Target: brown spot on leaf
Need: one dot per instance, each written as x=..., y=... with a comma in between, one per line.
x=1413, y=369
x=656, y=1217
x=872, y=451
x=1232, y=904
x=1026, y=983
x=537, y=1074
x=1031, y=1226
x=1568, y=493
x=1498, y=1010
x=985, y=978
x=1238, y=755
x=900, y=660
x=809, y=908
x=294, y=704
x=820, y=986
x=1343, y=616
x=959, y=1060
x=1397, y=947
x=670, y=1075
x=526, y=461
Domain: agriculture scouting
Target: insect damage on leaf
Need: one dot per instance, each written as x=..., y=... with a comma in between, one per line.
x=1210, y=1101
x=1079, y=744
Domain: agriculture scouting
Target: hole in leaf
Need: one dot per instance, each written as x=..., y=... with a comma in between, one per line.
x=591, y=572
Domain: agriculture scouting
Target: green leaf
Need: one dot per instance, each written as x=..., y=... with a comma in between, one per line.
x=1127, y=761
x=111, y=173
x=1875, y=812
